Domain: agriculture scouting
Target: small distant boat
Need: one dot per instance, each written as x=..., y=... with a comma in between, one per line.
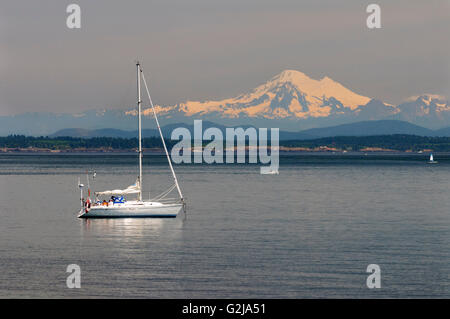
x=270, y=172
x=432, y=161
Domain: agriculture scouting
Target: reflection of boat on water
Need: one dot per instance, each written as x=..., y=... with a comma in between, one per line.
x=118, y=205
x=130, y=231
x=432, y=161
x=122, y=226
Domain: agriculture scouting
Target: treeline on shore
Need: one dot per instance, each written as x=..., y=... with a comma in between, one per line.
x=398, y=142
x=350, y=143
x=68, y=143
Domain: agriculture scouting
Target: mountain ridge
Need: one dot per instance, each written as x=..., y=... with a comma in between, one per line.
x=363, y=128
x=290, y=100
x=288, y=94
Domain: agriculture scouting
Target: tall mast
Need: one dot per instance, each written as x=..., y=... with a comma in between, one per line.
x=140, y=128
x=162, y=139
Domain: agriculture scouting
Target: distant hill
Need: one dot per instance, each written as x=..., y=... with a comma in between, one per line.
x=443, y=131
x=167, y=131
x=110, y=132
x=364, y=128
x=106, y=132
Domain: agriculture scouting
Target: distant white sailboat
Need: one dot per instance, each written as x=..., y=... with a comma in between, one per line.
x=118, y=205
x=432, y=161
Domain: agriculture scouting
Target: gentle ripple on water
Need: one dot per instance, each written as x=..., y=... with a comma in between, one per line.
x=309, y=232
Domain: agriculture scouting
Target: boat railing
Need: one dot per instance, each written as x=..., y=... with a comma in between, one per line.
x=166, y=200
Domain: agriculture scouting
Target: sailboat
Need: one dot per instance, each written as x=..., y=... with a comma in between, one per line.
x=432, y=161
x=118, y=206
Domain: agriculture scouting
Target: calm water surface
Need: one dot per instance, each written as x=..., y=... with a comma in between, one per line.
x=309, y=232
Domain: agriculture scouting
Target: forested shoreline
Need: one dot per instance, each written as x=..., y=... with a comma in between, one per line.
x=402, y=143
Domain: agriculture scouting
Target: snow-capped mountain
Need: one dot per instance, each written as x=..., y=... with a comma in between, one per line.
x=291, y=95
x=291, y=101
x=428, y=110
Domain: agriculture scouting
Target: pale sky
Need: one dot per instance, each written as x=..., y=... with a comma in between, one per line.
x=206, y=49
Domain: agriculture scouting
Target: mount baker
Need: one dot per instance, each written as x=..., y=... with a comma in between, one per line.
x=290, y=100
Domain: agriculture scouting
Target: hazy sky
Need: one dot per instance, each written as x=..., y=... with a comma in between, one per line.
x=206, y=49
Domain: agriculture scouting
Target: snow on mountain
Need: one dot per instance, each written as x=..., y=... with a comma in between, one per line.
x=428, y=110
x=375, y=110
x=291, y=94
x=291, y=101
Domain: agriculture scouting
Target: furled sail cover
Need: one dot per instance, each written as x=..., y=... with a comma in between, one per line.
x=132, y=189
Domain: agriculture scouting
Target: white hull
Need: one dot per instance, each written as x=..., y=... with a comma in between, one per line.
x=134, y=210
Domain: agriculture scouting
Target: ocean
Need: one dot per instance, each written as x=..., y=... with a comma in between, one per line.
x=309, y=232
